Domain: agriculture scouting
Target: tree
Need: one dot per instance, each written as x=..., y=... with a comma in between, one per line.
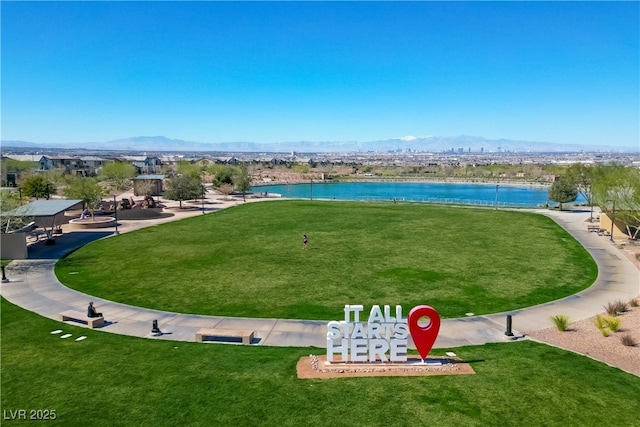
x=56, y=176
x=582, y=178
x=242, y=180
x=38, y=186
x=222, y=174
x=145, y=186
x=629, y=202
x=223, y=177
x=119, y=174
x=184, y=167
x=225, y=189
x=10, y=200
x=617, y=191
x=183, y=187
x=563, y=191
x=86, y=189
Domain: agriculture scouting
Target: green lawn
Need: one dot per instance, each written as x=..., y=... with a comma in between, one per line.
x=113, y=380
x=248, y=261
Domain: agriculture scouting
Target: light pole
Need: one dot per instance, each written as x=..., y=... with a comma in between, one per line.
x=613, y=218
x=311, y=188
x=115, y=210
x=203, y=187
x=497, y=186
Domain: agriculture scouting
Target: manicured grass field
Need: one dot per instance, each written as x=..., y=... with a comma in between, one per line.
x=248, y=261
x=113, y=380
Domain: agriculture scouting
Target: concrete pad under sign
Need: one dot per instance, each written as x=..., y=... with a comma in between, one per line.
x=318, y=367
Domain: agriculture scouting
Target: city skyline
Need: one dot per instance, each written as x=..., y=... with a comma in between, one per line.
x=212, y=72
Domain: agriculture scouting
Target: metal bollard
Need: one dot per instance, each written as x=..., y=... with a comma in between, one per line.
x=154, y=328
x=508, y=331
x=4, y=276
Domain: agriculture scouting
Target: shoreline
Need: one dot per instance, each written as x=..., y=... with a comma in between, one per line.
x=441, y=190
x=506, y=183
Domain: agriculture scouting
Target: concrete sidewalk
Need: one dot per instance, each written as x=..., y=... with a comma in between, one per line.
x=34, y=287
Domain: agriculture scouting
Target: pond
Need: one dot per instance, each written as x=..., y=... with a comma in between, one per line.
x=507, y=195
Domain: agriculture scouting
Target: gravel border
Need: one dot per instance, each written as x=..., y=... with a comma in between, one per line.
x=585, y=338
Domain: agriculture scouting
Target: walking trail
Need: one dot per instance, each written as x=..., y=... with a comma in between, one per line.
x=33, y=285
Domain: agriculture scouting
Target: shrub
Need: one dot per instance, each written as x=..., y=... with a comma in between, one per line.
x=623, y=307
x=601, y=324
x=561, y=321
x=634, y=301
x=610, y=308
x=616, y=307
x=628, y=340
x=613, y=323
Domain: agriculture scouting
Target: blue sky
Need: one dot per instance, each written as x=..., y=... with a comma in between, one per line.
x=563, y=72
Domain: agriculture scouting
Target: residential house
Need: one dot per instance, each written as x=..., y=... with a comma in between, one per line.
x=143, y=164
x=92, y=165
x=67, y=164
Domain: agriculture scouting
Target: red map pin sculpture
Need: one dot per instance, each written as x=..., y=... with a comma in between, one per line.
x=424, y=338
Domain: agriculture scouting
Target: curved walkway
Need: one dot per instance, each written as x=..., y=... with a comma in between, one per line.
x=33, y=285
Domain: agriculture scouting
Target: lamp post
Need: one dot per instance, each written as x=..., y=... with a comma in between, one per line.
x=115, y=211
x=613, y=218
x=497, y=186
x=203, y=187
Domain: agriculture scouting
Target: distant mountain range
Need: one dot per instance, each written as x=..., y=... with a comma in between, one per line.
x=436, y=144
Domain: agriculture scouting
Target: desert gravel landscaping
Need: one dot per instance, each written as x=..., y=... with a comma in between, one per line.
x=584, y=337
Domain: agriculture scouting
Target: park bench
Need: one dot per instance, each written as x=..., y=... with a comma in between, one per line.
x=78, y=316
x=595, y=228
x=244, y=336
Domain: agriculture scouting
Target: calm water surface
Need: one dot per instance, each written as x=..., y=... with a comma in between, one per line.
x=465, y=193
